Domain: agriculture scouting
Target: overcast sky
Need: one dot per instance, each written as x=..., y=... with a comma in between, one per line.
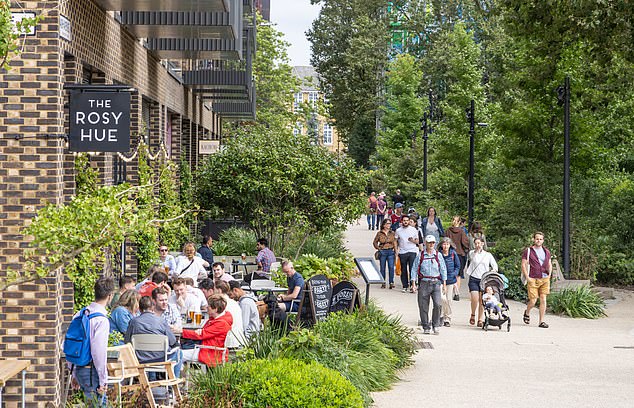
x=294, y=18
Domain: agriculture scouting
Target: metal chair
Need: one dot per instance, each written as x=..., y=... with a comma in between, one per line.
x=202, y=366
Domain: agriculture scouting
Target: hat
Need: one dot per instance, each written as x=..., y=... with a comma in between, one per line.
x=398, y=205
x=381, y=194
x=430, y=238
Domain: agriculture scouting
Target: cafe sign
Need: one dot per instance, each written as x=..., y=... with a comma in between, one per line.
x=99, y=122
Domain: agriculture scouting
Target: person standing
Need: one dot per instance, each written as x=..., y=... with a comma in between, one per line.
x=396, y=216
x=460, y=242
x=537, y=269
x=407, y=245
x=479, y=262
x=371, y=210
x=452, y=262
x=398, y=198
x=381, y=210
x=430, y=272
x=205, y=250
x=385, y=242
x=431, y=225
x=92, y=379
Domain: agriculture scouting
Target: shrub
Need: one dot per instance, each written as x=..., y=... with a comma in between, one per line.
x=616, y=268
x=273, y=383
x=340, y=268
x=327, y=244
x=236, y=241
x=577, y=302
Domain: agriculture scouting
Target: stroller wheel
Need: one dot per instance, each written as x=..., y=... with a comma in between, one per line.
x=508, y=326
x=500, y=327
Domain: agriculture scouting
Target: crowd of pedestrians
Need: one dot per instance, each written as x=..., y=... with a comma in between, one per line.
x=432, y=262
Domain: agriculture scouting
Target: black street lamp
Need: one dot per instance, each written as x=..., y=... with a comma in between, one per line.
x=563, y=98
x=470, y=111
x=423, y=127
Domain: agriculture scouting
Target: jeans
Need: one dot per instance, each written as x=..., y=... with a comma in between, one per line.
x=371, y=220
x=407, y=261
x=379, y=220
x=426, y=290
x=88, y=380
x=387, y=256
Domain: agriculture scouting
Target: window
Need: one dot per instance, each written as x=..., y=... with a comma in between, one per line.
x=298, y=129
x=313, y=96
x=327, y=134
x=298, y=100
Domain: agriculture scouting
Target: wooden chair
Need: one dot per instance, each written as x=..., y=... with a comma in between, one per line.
x=131, y=369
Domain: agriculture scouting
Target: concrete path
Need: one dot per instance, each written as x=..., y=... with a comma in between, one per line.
x=574, y=363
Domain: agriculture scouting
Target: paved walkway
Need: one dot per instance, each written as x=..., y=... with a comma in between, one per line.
x=574, y=363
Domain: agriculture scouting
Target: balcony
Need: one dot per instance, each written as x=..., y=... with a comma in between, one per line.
x=165, y=5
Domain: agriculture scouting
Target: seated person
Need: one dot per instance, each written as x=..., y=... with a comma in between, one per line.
x=213, y=333
x=166, y=311
x=207, y=287
x=183, y=300
x=188, y=265
x=235, y=338
x=196, y=292
x=218, y=269
x=295, y=283
x=125, y=310
x=250, y=314
x=149, y=323
x=165, y=260
x=158, y=279
x=125, y=283
x=264, y=259
x=491, y=301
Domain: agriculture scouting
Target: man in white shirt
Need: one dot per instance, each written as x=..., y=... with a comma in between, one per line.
x=183, y=300
x=407, y=237
x=188, y=265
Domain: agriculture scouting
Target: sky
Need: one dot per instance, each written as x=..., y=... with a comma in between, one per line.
x=294, y=18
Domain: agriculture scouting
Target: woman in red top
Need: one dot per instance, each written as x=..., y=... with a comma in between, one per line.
x=213, y=333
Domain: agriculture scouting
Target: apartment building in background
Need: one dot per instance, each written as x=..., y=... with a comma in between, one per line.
x=311, y=103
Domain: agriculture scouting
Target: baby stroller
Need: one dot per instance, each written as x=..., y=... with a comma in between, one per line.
x=497, y=283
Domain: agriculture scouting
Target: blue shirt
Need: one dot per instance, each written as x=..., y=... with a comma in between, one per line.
x=429, y=266
x=120, y=319
x=295, y=281
x=452, y=262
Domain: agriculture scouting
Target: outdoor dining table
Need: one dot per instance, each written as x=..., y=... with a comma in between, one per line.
x=10, y=368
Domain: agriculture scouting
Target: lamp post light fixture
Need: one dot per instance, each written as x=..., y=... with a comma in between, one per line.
x=470, y=111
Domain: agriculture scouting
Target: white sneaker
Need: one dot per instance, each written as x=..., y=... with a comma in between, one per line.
x=436, y=330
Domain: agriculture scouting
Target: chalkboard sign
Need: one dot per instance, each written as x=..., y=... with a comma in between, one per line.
x=344, y=297
x=315, y=304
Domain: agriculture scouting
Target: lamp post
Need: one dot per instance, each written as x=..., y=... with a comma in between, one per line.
x=470, y=111
x=563, y=98
x=423, y=127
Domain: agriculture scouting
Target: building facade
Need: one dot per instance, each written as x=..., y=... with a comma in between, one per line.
x=187, y=65
x=311, y=105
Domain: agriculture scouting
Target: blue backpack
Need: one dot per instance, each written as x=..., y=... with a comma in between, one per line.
x=77, y=340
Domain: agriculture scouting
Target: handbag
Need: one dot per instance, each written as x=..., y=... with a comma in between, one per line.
x=397, y=266
x=377, y=255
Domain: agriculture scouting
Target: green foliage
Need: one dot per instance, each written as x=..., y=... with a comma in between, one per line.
x=85, y=176
x=236, y=241
x=147, y=239
x=577, y=302
x=616, y=268
x=115, y=338
x=273, y=383
x=265, y=344
x=173, y=233
x=340, y=268
x=274, y=182
x=12, y=33
x=348, y=51
x=325, y=244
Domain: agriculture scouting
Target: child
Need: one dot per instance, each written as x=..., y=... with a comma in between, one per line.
x=490, y=301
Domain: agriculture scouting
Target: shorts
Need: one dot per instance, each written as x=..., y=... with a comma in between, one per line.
x=537, y=287
x=474, y=284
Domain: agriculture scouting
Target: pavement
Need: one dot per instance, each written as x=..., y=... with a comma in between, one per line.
x=574, y=363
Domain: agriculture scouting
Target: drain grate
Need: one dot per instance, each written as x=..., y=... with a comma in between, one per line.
x=424, y=345
x=624, y=347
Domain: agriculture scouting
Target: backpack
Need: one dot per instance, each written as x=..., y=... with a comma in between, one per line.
x=77, y=340
x=420, y=274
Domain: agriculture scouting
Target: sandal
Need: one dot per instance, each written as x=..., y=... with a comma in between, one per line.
x=480, y=323
x=472, y=320
x=527, y=318
x=543, y=325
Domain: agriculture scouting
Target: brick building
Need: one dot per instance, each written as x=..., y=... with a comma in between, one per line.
x=189, y=65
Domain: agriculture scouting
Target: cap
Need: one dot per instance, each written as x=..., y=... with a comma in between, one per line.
x=398, y=205
x=430, y=238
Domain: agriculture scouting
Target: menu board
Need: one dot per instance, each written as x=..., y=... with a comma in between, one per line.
x=315, y=304
x=344, y=297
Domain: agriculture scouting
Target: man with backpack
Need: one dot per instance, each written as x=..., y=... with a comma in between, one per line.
x=86, y=345
x=536, y=271
x=430, y=271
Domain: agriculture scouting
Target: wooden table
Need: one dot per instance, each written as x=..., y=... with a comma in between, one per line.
x=8, y=370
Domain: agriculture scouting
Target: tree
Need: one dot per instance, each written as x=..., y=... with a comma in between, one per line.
x=11, y=33
x=349, y=51
x=280, y=182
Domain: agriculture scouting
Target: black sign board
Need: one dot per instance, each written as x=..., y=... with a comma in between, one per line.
x=344, y=297
x=315, y=304
x=99, y=121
